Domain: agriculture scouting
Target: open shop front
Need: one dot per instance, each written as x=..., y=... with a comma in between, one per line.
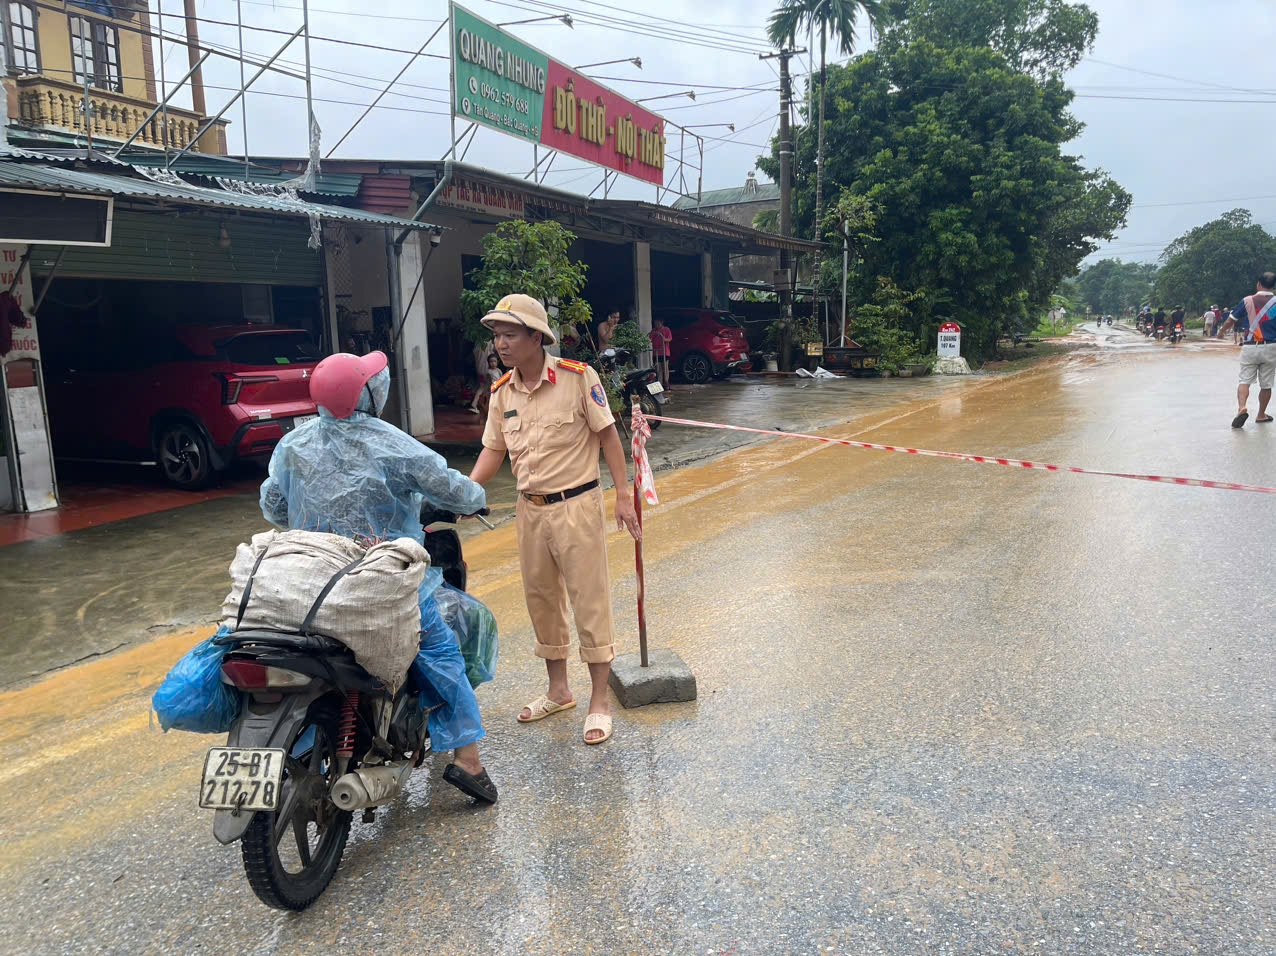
x=185, y=345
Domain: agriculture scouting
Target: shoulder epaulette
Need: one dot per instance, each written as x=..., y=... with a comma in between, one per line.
x=501, y=381
x=573, y=366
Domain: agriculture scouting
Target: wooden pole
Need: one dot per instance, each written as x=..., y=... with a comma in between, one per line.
x=642, y=586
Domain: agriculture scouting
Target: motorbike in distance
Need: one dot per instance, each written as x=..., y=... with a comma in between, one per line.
x=642, y=382
x=1176, y=333
x=317, y=738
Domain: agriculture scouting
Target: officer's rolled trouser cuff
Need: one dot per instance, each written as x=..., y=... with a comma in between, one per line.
x=598, y=655
x=553, y=652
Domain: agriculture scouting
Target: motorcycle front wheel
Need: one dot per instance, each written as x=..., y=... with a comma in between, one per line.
x=291, y=855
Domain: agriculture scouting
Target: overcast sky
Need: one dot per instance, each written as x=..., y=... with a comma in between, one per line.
x=1185, y=162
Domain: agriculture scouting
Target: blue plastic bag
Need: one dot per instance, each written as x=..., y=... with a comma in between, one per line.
x=475, y=629
x=193, y=696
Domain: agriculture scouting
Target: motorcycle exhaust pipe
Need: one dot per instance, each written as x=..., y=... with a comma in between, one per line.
x=370, y=786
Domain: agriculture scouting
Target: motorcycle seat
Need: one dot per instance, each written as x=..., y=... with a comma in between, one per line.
x=292, y=640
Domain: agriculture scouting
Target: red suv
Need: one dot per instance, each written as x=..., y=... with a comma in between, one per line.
x=192, y=400
x=706, y=343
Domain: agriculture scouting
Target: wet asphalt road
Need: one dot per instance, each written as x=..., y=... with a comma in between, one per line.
x=943, y=708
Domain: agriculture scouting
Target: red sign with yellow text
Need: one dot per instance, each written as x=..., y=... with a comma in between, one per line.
x=588, y=120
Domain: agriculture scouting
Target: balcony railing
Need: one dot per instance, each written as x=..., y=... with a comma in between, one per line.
x=114, y=116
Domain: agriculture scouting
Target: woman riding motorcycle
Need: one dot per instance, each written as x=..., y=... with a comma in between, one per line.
x=349, y=473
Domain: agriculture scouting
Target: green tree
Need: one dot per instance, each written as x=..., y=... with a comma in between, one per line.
x=1039, y=37
x=981, y=210
x=1216, y=263
x=838, y=18
x=1111, y=285
x=527, y=257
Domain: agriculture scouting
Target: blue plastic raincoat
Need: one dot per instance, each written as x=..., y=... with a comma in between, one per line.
x=361, y=477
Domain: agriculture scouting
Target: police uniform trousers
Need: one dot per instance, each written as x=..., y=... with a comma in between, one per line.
x=562, y=548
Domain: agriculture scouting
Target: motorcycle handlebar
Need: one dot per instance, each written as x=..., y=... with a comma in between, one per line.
x=431, y=515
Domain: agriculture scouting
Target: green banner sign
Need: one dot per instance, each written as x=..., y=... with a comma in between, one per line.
x=496, y=80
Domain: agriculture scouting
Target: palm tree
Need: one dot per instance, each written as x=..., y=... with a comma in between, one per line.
x=836, y=17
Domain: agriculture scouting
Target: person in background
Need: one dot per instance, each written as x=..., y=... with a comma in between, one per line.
x=661, y=338
x=1208, y=319
x=1258, y=351
x=607, y=328
x=483, y=394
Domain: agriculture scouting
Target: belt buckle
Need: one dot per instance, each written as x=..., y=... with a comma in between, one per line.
x=541, y=500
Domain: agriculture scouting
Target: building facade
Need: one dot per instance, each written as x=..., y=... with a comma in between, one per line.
x=52, y=54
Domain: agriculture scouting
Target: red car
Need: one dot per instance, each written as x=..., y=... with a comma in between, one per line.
x=192, y=401
x=707, y=343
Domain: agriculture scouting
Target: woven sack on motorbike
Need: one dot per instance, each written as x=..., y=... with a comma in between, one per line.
x=371, y=602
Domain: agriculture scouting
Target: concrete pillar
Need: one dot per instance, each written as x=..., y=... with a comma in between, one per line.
x=642, y=292
x=720, y=283
x=642, y=284
x=706, y=280
x=414, y=343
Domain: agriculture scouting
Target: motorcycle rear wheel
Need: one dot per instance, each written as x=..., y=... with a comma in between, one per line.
x=313, y=837
x=649, y=407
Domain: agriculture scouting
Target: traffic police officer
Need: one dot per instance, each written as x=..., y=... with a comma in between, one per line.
x=552, y=416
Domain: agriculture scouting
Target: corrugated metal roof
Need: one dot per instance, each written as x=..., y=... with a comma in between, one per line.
x=82, y=181
x=212, y=166
x=764, y=192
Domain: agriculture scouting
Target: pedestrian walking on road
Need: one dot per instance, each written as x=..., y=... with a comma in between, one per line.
x=1258, y=350
x=553, y=417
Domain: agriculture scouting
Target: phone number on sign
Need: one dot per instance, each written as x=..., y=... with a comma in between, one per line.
x=504, y=99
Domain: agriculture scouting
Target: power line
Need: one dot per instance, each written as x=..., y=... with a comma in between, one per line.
x=726, y=99
x=632, y=27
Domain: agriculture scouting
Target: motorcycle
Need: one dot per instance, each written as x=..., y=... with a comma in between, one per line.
x=1109, y=320
x=643, y=382
x=1159, y=333
x=317, y=739
x=1176, y=334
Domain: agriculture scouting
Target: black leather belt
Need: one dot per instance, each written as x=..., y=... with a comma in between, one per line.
x=561, y=495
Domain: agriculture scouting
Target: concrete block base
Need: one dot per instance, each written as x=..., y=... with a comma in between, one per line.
x=667, y=680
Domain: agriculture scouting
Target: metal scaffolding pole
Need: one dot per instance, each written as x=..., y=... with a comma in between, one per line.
x=243, y=102
x=398, y=76
x=242, y=90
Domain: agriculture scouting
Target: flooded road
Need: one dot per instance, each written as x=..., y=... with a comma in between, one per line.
x=943, y=707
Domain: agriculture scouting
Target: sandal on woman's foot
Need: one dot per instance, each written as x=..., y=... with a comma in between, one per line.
x=598, y=722
x=543, y=707
x=1240, y=420
x=480, y=788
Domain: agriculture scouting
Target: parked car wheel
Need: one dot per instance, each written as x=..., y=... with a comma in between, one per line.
x=184, y=456
x=696, y=368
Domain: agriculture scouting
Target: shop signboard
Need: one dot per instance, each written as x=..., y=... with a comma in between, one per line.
x=502, y=83
x=26, y=345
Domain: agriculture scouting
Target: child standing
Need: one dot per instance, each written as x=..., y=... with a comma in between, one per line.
x=660, y=337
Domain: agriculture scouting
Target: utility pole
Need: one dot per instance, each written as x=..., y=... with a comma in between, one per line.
x=786, y=206
x=192, y=55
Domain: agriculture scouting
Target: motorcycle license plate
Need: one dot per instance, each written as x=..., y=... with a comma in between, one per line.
x=655, y=388
x=241, y=779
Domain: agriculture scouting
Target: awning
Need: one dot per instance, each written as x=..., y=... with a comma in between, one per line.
x=50, y=179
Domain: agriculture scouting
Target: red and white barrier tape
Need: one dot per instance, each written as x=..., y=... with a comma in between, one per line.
x=954, y=456
x=643, y=479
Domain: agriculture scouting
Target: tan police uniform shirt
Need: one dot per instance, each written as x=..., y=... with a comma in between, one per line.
x=549, y=427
